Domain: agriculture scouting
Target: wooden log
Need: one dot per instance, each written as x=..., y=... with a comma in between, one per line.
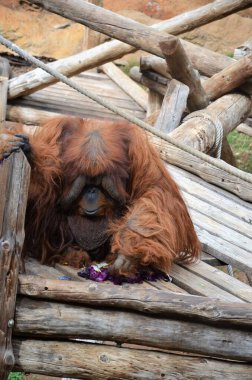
x=126, y=84
x=156, y=64
x=92, y=38
x=191, y=19
x=55, y=320
x=89, y=361
x=181, y=69
x=147, y=301
x=244, y=49
x=227, y=154
x=204, y=60
x=168, y=153
x=4, y=76
x=147, y=81
x=173, y=106
x=244, y=128
x=14, y=174
x=229, y=78
x=200, y=132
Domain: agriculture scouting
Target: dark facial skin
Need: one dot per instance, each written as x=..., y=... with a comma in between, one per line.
x=94, y=202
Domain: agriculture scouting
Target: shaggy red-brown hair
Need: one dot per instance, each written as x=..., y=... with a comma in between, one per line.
x=153, y=227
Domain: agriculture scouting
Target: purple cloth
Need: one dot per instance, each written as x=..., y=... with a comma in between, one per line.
x=91, y=273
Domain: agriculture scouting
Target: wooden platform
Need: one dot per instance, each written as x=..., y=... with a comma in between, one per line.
x=222, y=220
x=223, y=224
x=59, y=98
x=198, y=325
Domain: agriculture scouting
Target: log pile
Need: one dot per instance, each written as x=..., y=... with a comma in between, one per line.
x=198, y=97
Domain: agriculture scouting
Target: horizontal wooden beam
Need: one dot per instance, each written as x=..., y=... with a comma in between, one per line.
x=101, y=361
x=53, y=320
x=188, y=307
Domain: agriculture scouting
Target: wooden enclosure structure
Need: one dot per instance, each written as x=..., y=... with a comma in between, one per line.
x=200, y=324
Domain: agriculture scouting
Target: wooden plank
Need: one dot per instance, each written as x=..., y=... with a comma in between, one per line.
x=56, y=320
x=208, y=172
x=217, y=229
x=244, y=128
x=4, y=76
x=189, y=184
x=231, y=223
x=33, y=267
x=173, y=106
x=126, y=84
x=154, y=102
x=195, y=284
x=144, y=80
x=89, y=361
x=210, y=260
x=226, y=201
x=222, y=280
x=224, y=250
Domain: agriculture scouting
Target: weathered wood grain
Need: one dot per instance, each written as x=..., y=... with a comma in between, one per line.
x=181, y=69
x=148, y=300
x=244, y=128
x=54, y=320
x=196, y=285
x=168, y=153
x=229, y=78
x=173, y=106
x=4, y=76
x=222, y=280
x=206, y=61
x=14, y=174
x=103, y=362
x=126, y=84
x=143, y=79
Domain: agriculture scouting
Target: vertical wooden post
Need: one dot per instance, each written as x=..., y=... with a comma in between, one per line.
x=154, y=102
x=181, y=69
x=14, y=182
x=4, y=75
x=173, y=106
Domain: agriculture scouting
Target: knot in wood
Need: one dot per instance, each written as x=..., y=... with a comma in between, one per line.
x=92, y=288
x=9, y=359
x=5, y=245
x=104, y=358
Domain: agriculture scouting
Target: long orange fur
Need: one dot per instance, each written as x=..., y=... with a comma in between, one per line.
x=155, y=228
